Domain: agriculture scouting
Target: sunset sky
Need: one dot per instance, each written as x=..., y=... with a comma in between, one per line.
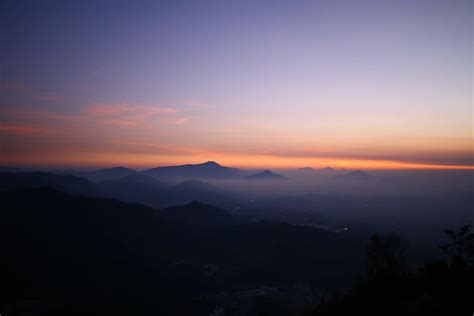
x=354, y=84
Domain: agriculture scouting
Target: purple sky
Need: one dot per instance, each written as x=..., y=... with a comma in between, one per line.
x=375, y=84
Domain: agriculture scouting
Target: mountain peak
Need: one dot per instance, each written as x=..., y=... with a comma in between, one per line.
x=211, y=163
x=265, y=174
x=356, y=175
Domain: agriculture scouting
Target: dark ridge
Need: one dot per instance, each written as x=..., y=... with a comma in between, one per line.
x=264, y=175
x=355, y=175
x=66, y=183
x=108, y=174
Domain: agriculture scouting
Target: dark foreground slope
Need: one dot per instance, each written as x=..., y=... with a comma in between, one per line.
x=441, y=287
x=65, y=254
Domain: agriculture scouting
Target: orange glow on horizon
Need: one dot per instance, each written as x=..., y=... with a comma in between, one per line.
x=144, y=161
x=146, y=136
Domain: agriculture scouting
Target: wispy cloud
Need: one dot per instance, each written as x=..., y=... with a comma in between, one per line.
x=182, y=120
x=126, y=115
x=156, y=148
x=191, y=103
x=16, y=129
x=37, y=115
x=123, y=115
x=127, y=109
x=376, y=153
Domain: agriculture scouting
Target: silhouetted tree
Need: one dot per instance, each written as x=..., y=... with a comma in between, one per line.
x=436, y=288
x=461, y=247
x=386, y=256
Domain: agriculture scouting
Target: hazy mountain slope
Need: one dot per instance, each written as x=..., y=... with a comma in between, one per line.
x=357, y=175
x=108, y=174
x=197, y=190
x=136, y=188
x=208, y=169
x=264, y=175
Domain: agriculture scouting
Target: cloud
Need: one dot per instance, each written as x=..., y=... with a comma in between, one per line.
x=127, y=109
x=375, y=153
x=153, y=148
x=92, y=117
x=8, y=128
x=126, y=115
x=30, y=114
x=182, y=120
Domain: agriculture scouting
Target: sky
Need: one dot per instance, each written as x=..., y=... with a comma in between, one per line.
x=356, y=84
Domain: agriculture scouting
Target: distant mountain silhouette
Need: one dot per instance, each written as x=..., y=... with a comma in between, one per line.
x=194, y=189
x=264, y=175
x=66, y=171
x=193, y=185
x=135, y=188
x=355, y=175
x=312, y=170
x=136, y=178
x=208, y=169
x=327, y=169
x=14, y=169
x=305, y=170
x=66, y=183
x=108, y=174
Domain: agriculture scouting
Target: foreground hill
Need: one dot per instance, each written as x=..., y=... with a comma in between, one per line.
x=82, y=255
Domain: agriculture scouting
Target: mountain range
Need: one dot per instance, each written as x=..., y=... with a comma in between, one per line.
x=156, y=187
x=207, y=170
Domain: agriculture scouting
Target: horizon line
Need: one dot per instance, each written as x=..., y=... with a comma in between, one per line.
x=142, y=167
